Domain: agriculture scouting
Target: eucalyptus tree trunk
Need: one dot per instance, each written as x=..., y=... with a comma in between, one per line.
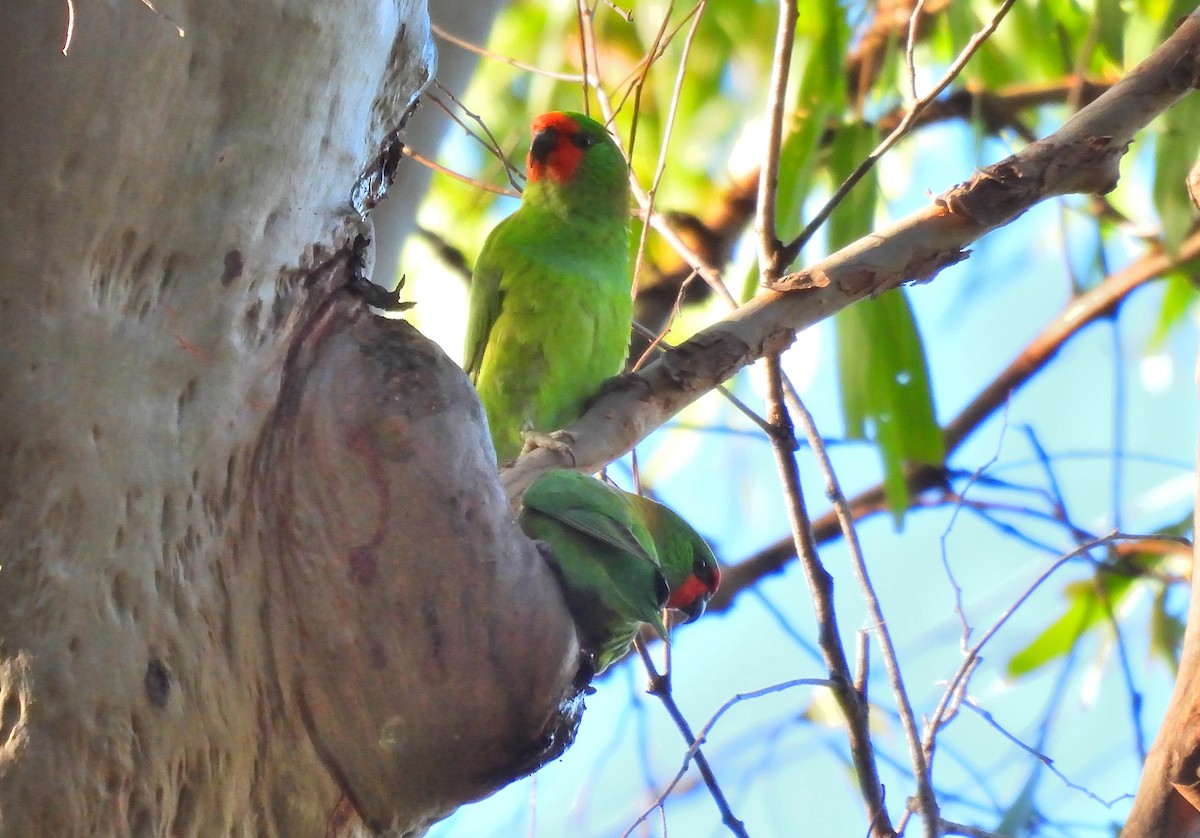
x=257, y=575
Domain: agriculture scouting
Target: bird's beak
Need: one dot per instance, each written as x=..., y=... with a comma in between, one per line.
x=544, y=143
x=695, y=608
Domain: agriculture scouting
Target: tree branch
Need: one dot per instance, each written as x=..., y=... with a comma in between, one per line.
x=851, y=701
x=710, y=234
x=1082, y=156
x=1079, y=312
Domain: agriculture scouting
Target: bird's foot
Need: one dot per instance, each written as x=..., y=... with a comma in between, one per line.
x=559, y=441
x=546, y=550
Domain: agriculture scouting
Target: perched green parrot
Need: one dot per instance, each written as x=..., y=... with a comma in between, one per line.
x=620, y=558
x=550, y=309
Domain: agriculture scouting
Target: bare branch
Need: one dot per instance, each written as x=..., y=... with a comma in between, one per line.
x=697, y=15
x=1080, y=312
x=660, y=686
x=1082, y=156
x=451, y=38
x=956, y=688
x=792, y=250
x=853, y=703
x=710, y=724
x=768, y=183
x=970, y=704
x=925, y=799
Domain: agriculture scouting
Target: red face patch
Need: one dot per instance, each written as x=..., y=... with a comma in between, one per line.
x=554, y=152
x=692, y=587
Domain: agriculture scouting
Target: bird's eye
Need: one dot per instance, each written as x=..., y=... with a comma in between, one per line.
x=582, y=141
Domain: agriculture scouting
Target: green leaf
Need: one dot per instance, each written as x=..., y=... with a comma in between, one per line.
x=1085, y=609
x=1166, y=631
x=854, y=217
x=819, y=99
x=881, y=361
x=1178, y=296
x=885, y=388
x=797, y=162
x=1023, y=810
x=1111, y=21
x=1174, y=154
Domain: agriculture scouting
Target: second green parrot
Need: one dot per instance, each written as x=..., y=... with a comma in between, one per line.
x=620, y=558
x=549, y=308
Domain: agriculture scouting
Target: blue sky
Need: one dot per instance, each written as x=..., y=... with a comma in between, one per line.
x=782, y=759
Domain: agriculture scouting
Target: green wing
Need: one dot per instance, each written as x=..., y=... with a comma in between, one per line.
x=484, y=299
x=609, y=590
x=593, y=508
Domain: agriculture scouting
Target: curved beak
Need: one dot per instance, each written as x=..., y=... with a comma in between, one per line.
x=544, y=143
x=696, y=607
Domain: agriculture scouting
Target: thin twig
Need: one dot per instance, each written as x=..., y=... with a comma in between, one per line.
x=660, y=687
x=910, y=47
x=768, y=184
x=793, y=248
x=706, y=272
x=574, y=78
x=852, y=703
x=621, y=13
x=70, y=36
x=970, y=704
x=440, y=169
x=952, y=828
x=665, y=140
x=1135, y=695
x=959, y=609
x=638, y=84
x=926, y=800
x=587, y=53
x=1120, y=411
x=738, y=698
x=492, y=144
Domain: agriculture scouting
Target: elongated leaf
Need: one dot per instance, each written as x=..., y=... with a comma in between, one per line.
x=881, y=360
x=1111, y=19
x=1178, y=297
x=1174, y=154
x=885, y=388
x=1084, y=611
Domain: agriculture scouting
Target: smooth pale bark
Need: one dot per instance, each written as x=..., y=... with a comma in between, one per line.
x=396, y=218
x=257, y=575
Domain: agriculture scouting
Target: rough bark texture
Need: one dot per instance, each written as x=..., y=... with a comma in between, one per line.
x=257, y=575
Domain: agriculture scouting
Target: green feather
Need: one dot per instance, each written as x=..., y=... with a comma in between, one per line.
x=618, y=556
x=549, y=308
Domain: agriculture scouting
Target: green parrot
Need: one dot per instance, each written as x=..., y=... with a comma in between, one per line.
x=620, y=558
x=549, y=307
